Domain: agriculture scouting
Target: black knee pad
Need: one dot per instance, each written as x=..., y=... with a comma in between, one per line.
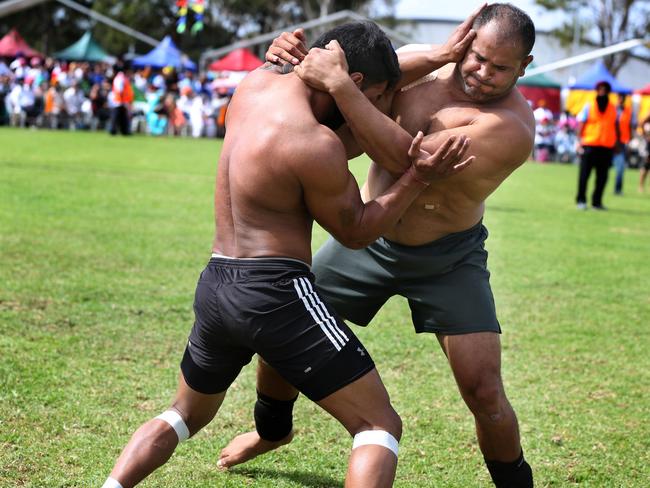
x=273, y=418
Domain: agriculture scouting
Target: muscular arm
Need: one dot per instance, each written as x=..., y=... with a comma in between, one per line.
x=332, y=195
x=377, y=134
x=494, y=159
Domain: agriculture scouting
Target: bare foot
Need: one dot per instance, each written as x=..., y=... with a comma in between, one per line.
x=245, y=447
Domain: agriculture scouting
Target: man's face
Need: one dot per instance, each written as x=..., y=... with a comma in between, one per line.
x=372, y=92
x=602, y=91
x=491, y=65
x=375, y=91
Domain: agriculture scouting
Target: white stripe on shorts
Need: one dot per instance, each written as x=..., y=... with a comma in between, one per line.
x=335, y=326
x=320, y=307
x=323, y=325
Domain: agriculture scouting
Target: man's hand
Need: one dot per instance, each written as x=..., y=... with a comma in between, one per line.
x=454, y=49
x=324, y=69
x=445, y=162
x=288, y=47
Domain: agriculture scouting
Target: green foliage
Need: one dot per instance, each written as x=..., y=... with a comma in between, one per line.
x=157, y=18
x=48, y=27
x=102, y=240
x=52, y=27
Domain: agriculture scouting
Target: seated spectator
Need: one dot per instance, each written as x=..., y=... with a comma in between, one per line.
x=21, y=102
x=73, y=97
x=197, y=116
x=544, y=140
x=5, y=89
x=54, y=107
x=566, y=145
x=175, y=119
x=98, y=97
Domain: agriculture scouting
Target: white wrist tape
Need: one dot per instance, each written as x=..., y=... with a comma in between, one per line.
x=376, y=437
x=173, y=418
x=111, y=483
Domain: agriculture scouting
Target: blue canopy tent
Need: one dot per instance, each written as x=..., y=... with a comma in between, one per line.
x=165, y=54
x=583, y=89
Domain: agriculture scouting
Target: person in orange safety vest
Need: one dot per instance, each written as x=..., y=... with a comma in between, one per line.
x=121, y=98
x=598, y=138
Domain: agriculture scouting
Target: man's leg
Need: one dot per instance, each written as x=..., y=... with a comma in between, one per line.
x=475, y=360
x=619, y=165
x=273, y=410
x=154, y=442
x=364, y=409
x=603, y=162
x=583, y=176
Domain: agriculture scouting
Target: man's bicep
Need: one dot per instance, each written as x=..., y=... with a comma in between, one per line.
x=333, y=201
x=492, y=144
x=352, y=147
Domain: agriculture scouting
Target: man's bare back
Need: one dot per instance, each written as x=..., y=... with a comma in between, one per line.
x=259, y=205
x=281, y=168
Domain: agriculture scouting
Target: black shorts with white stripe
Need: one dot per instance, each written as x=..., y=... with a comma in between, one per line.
x=268, y=306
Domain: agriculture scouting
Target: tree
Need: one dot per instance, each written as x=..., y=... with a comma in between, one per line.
x=47, y=27
x=603, y=23
x=50, y=26
x=156, y=18
x=261, y=16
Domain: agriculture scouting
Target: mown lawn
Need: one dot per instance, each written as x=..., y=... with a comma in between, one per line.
x=102, y=240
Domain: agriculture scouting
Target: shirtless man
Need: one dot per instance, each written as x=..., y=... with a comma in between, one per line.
x=434, y=256
x=281, y=167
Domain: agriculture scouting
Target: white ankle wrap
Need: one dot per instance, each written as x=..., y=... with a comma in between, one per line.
x=111, y=483
x=377, y=437
x=173, y=418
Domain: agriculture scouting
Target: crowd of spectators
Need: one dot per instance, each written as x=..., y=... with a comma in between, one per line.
x=99, y=96
x=557, y=138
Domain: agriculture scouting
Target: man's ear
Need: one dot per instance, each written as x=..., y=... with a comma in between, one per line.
x=527, y=60
x=357, y=78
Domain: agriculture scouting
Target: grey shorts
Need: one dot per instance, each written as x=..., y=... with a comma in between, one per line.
x=446, y=282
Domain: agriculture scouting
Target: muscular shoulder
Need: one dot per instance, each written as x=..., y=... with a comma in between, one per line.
x=316, y=147
x=505, y=134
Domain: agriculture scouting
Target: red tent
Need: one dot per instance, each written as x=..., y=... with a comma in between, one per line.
x=643, y=91
x=238, y=60
x=13, y=44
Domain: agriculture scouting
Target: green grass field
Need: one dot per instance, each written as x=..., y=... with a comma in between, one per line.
x=102, y=240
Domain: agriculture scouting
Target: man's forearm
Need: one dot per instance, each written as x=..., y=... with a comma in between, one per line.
x=381, y=214
x=379, y=136
x=416, y=64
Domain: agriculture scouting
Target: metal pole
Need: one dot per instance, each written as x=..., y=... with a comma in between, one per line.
x=110, y=22
x=341, y=15
x=581, y=58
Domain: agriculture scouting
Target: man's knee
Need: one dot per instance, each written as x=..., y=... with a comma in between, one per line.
x=386, y=419
x=487, y=399
x=273, y=418
x=188, y=422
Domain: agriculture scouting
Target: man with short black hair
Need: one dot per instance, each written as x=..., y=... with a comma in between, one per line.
x=434, y=256
x=282, y=167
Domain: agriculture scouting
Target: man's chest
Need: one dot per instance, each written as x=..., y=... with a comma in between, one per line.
x=426, y=109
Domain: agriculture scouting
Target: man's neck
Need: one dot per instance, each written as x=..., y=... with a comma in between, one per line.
x=322, y=105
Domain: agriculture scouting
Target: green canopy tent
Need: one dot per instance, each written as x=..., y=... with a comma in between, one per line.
x=85, y=49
